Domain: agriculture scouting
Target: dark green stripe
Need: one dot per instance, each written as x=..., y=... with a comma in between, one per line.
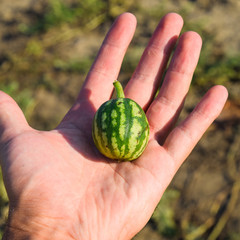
x=145, y=130
x=119, y=102
x=129, y=123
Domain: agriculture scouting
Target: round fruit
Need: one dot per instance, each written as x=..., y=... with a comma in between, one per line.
x=120, y=128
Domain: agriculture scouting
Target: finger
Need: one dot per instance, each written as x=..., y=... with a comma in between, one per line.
x=12, y=120
x=165, y=109
x=105, y=69
x=147, y=76
x=184, y=137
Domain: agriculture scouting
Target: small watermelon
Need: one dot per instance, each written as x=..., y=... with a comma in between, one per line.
x=120, y=128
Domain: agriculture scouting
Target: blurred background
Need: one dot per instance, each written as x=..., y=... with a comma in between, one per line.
x=46, y=49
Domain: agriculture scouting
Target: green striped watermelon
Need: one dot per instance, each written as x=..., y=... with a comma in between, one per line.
x=120, y=128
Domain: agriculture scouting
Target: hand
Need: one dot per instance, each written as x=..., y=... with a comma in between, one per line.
x=61, y=187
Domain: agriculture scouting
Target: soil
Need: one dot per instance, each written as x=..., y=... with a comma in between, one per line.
x=208, y=182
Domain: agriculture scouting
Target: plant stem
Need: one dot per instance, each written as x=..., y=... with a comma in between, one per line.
x=119, y=89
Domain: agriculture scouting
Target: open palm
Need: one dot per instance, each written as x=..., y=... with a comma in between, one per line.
x=61, y=187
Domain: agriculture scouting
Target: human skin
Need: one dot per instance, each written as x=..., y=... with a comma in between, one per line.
x=61, y=187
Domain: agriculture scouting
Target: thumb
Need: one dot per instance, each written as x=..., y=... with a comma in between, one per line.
x=12, y=119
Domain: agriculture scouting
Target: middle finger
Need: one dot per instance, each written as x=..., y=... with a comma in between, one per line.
x=146, y=78
x=165, y=109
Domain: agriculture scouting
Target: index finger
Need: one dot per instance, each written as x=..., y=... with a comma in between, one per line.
x=105, y=69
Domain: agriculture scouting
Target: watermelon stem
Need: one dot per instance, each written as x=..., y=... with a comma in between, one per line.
x=119, y=89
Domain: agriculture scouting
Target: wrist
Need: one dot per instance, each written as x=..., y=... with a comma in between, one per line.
x=22, y=226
